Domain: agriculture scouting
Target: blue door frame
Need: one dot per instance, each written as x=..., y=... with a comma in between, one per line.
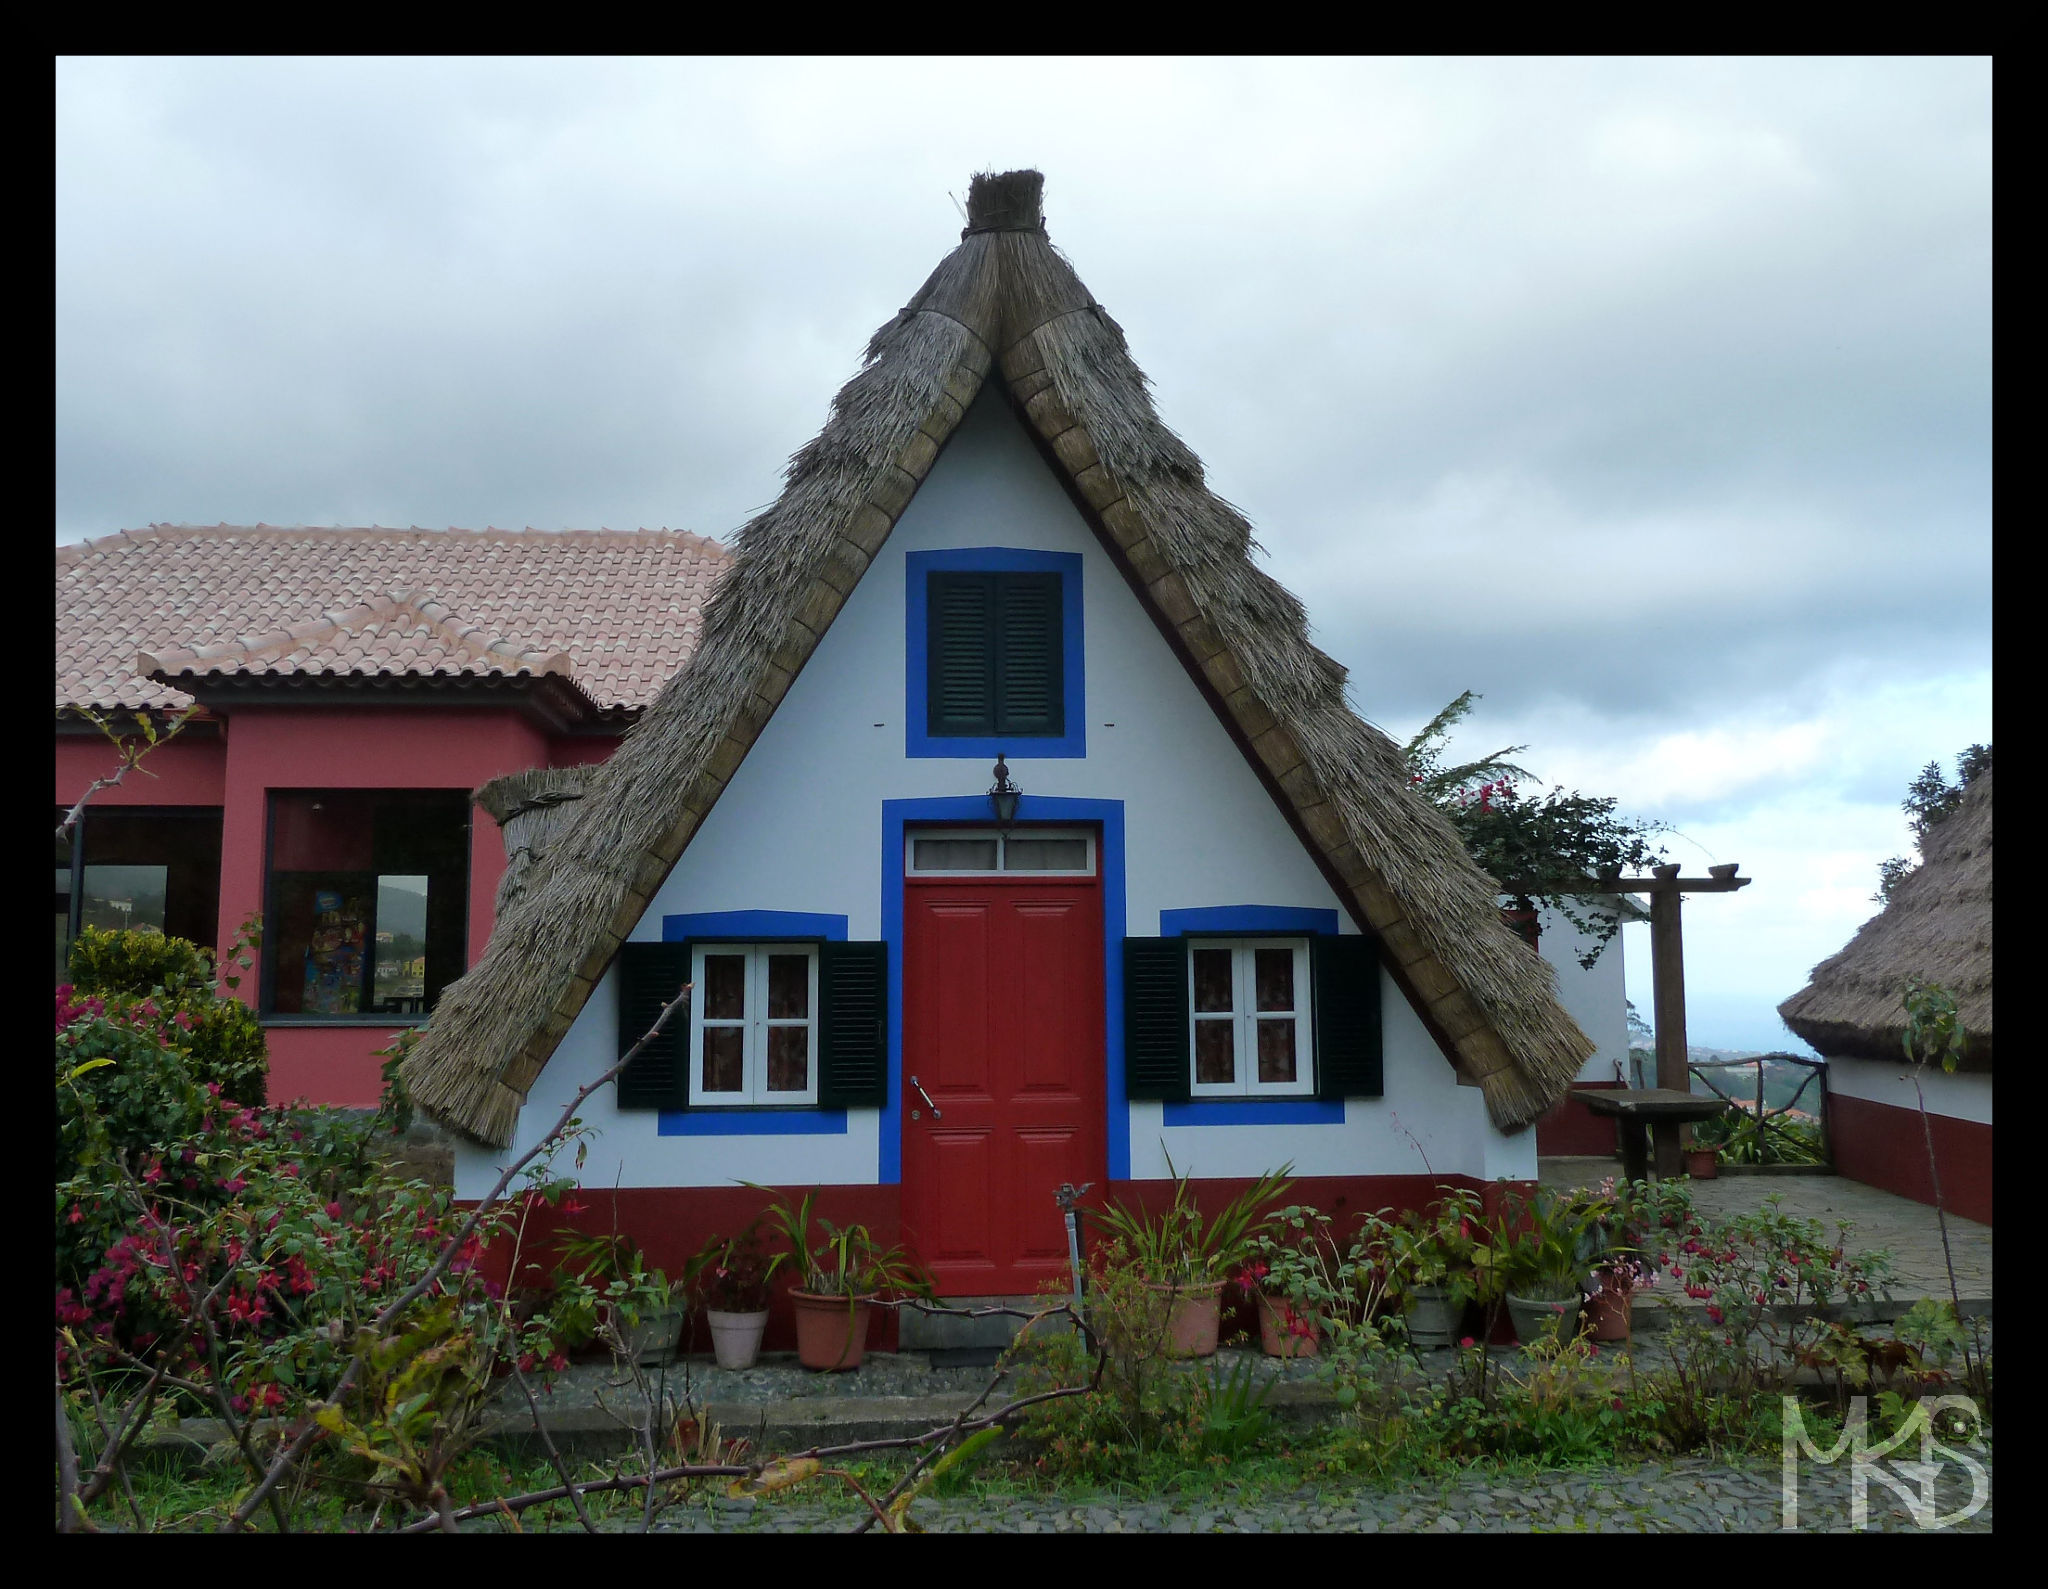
x=965, y=809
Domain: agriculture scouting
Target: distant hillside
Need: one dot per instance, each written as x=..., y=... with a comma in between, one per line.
x=1781, y=1080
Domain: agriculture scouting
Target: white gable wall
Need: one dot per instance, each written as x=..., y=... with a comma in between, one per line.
x=800, y=829
x=1597, y=999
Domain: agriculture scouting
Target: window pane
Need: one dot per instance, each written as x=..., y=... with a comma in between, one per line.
x=789, y=1058
x=789, y=987
x=369, y=898
x=725, y=987
x=124, y=897
x=725, y=1059
x=1215, y=1051
x=1275, y=977
x=1212, y=980
x=165, y=862
x=1045, y=855
x=398, y=975
x=1276, y=1050
x=329, y=971
x=954, y=855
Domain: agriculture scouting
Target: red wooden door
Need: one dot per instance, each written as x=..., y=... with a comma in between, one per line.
x=1003, y=1028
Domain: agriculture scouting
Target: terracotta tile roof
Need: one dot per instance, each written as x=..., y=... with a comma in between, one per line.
x=617, y=611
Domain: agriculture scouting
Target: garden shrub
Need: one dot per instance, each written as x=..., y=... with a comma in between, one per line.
x=113, y=963
x=221, y=1037
x=1143, y=1403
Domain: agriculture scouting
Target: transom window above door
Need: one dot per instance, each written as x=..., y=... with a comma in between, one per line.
x=754, y=1024
x=1042, y=852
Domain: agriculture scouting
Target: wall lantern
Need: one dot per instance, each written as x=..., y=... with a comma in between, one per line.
x=1003, y=795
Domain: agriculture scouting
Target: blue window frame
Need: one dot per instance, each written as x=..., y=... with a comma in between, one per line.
x=1246, y=920
x=919, y=741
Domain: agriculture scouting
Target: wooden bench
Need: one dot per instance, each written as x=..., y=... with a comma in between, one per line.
x=1662, y=1110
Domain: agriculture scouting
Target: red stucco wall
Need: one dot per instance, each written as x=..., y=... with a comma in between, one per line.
x=1885, y=1146
x=189, y=771
x=1570, y=1128
x=324, y=747
x=671, y=1223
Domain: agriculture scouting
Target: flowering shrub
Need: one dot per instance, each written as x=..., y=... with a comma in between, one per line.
x=221, y=1038
x=1764, y=1283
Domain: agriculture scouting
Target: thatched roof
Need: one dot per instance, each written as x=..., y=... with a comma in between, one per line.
x=1005, y=302
x=532, y=808
x=1937, y=928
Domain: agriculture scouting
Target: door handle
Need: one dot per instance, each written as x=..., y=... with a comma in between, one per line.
x=927, y=1097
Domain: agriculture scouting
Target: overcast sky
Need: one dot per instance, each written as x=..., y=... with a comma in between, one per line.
x=1652, y=399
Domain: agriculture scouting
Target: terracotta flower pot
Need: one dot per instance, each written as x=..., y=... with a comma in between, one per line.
x=1700, y=1163
x=736, y=1337
x=1608, y=1314
x=1278, y=1331
x=831, y=1331
x=1193, y=1317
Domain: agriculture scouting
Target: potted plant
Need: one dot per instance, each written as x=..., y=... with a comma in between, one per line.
x=1305, y=1286
x=607, y=1294
x=731, y=1275
x=1187, y=1256
x=1611, y=1295
x=841, y=1274
x=1433, y=1260
x=1548, y=1245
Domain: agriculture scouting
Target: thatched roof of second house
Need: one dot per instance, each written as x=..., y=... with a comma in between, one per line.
x=1005, y=302
x=1937, y=928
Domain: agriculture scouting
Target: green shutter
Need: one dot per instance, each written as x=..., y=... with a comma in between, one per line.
x=853, y=1038
x=650, y=974
x=1347, y=995
x=1156, y=1059
x=1029, y=695
x=960, y=654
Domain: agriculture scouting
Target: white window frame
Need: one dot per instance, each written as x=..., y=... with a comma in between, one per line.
x=1245, y=1016
x=1002, y=838
x=755, y=1019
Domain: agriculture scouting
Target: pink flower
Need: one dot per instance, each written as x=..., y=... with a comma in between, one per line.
x=1468, y=1341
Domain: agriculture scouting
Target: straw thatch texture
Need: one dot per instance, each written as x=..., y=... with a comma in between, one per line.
x=1937, y=928
x=1004, y=295
x=533, y=808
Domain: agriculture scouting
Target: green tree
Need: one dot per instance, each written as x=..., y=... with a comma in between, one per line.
x=1547, y=844
x=1929, y=802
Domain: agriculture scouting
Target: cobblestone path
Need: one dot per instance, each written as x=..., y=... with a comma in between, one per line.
x=1686, y=1496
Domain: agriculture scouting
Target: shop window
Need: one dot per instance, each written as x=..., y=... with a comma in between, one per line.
x=368, y=901
x=141, y=868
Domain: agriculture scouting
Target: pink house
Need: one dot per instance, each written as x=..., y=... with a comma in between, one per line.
x=349, y=689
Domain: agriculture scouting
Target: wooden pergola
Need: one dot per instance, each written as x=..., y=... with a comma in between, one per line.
x=1664, y=1109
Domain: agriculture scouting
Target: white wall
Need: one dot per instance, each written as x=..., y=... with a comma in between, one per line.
x=1596, y=999
x=799, y=829
x=1963, y=1096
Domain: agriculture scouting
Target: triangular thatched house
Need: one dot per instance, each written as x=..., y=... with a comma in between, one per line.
x=1936, y=928
x=1218, y=925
